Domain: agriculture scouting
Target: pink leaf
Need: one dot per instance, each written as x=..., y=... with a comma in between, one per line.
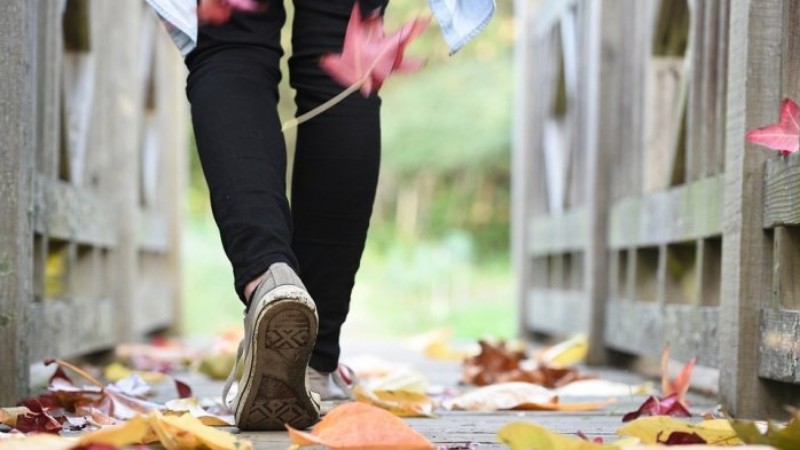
x=783, y=136
x=217, y=12
x=369, y=56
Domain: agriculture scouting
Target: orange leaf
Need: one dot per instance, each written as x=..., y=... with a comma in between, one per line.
x=680, y=385
x=355, y=426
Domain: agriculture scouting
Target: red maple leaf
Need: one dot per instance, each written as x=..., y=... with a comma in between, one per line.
x=655, y=406
x=783, y=136
x=217, y=12
x=369, y=56
x=680, y=385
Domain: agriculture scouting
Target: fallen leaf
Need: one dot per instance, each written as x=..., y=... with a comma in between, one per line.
x=369, y=56
x=651, y=430
x=217, y=12
x=783, y=438
x=133, y=431
x=8, y=416
x=500, y=363
x=192, y=406
x=38, y=442
x=602, y=388
x=37, y=420
x=527, y=436
x=655, y=406
x=568, y=353
x=117, y=371
x=402, y=379
x=400, y=403
x=783, y=136
x=680, y=385
x=188, y=432
x=516, y=395
x=360, y=426
x=681, y=438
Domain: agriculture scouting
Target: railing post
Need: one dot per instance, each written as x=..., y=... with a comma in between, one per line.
x=754, y=68
x=17, y=149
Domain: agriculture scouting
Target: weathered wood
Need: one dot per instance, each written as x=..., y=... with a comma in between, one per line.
x=18, y=70
x=558, y=312
x=692, y=332
x=634, y=327
x=666, y=101
x=779, y=351
x=559, y=233
x=63, y=211
x=696, y=106
x=48, y=106
x=782, y=191
x=786, y=276
x=684, y=213
x=756, y=29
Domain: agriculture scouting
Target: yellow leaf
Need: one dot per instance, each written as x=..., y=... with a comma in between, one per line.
x=187, y=432
x=568, y=353
x=38, y=442
x=133, y=431
x=361, y=426
x=117, y=371
x=652, y=429
x=218, y=365
x=399, y=403
x=192, y=406
x=527, y=436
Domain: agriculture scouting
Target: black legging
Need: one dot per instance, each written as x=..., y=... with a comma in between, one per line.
x=233, y=90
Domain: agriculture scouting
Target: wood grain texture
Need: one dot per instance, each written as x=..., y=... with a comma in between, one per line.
x=756, y=33
x=782, y=191
x=779, y=348
x=681, y=214
x=559, y=233
x=18, y=20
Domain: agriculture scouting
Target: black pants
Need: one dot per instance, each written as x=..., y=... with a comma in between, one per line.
x=232, y=87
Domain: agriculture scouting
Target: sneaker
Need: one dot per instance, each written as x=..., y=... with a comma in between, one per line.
x=334, y=388
x=280, y=330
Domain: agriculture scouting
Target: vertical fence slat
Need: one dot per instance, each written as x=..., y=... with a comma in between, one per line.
x=17, y=150
x=753, y=90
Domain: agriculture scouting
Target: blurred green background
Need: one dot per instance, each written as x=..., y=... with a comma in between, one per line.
x=437, y=254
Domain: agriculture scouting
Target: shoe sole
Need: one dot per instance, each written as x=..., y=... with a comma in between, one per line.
x=274, y=389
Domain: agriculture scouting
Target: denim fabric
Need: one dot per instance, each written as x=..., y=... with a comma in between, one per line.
x=459, y=20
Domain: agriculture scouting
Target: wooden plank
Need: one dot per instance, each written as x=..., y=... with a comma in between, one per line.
x=779, y=348
x=692, y=332
x=154, y=233
x=696, y=111
x=69, y=328
x=18, y=19
x=548, y=14
x=523, y=192
x=782, y=191
x=634, y=327
x=756, y=30
x=786, y=272
x=50, y=64
x=64, y=211
x=681, y=214
x=717, y=164
x=559, y=233
x=558, y=312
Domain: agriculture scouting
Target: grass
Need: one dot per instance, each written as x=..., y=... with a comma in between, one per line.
x=403, y=288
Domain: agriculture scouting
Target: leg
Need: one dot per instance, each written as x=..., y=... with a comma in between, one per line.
x=232, y=87
x=335, y=173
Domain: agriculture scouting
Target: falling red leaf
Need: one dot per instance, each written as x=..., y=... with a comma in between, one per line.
x=654, y=406
x=783, y=136
x=681, y=438
x=217, y=12
x=369, y=56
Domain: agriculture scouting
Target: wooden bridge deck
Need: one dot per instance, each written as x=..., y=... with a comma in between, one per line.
x=459, y=427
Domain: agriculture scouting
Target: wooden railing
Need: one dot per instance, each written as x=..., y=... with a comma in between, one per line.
x=93, y=137
x=683, y=232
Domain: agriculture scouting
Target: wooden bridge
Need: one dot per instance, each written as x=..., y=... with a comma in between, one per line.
x=641, y=216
